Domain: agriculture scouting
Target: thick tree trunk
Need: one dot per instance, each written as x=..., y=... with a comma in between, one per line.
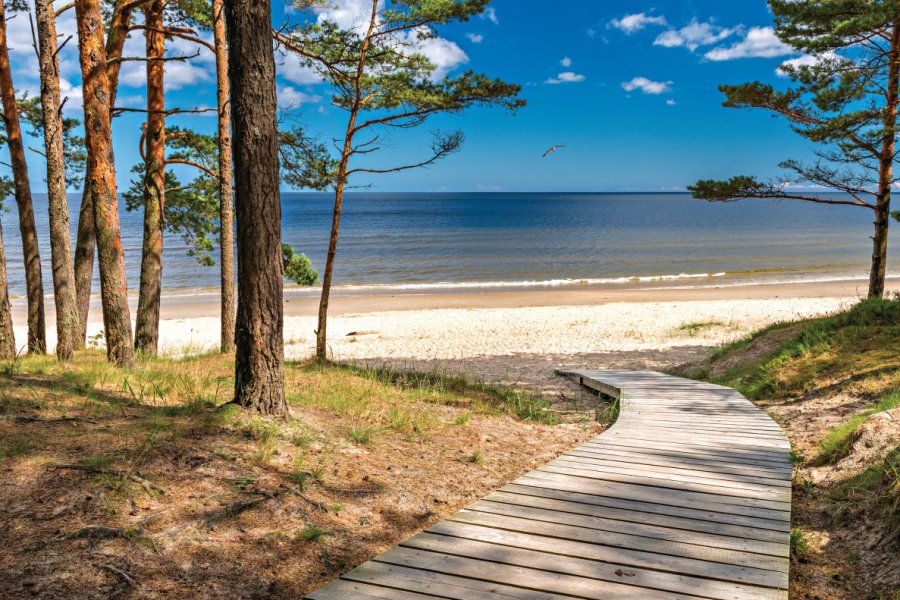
x=226, y=217
x=886, y=171
x=7, y=338
x=146, y=335
x=37, y=341
x=101, y=169
x=85, y=241
x=259, y=360
x=58, y=209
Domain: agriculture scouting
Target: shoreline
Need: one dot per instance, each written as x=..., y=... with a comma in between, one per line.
x=303, y=302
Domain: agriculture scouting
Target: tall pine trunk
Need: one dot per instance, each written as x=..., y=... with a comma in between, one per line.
x=259, y=358
x=226, y=217
x=85, y=243
x=60, y=244
x=101, y=170
x=37, y=341
x=886, y=171
x=146, y=335
x=7, y=338
x=322, y=327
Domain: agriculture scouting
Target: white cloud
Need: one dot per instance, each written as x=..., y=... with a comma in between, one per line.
x=671, y=102
x=288, y=65
x=591, y=32
x=290, y=98
x=475, y=38
x=348, y=14
x=760, y=42
x=566, y=61
x=491, y=15
x=807, y=60
x=442, y=53
x=647, y=86
x=693, y=35
x=566, y=77
x=636, y=22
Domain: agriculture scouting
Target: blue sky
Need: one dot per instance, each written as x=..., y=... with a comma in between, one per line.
x=628, y=87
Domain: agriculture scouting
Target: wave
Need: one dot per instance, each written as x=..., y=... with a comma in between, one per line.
x=449, y=285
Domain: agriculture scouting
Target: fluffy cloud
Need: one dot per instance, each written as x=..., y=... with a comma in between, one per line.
x=290, y=98
x=443, y=54
x=693, y=35
x=807, y=60
x=566, y=77
x=566, y=61
x=632, y=23
x=647, y=86
x=475, y=38
x=491, y=15
x=288, y=65
x=760, y=42
x=671, y=102
x=348, y=14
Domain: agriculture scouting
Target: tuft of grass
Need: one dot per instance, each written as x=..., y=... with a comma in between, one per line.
x=312, y=533
x=463, y=419
x=799, y=544
x=361, y=434
x=693, y=329
x=476, y=458
x=266, y=445
x=16, y=448
x=839, y=441
x=881, y=483
x=100, y=461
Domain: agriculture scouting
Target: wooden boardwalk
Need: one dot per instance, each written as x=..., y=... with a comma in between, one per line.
x=688, y=495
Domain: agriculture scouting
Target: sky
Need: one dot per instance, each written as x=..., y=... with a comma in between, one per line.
x=628, y=87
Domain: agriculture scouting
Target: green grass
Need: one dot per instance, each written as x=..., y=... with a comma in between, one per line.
x=313, y=533
x=15, y=448
x=839, y=441
x=693, y=329
x=447, y=388
x=858, y=345
x=881, y=482
x=799, y=544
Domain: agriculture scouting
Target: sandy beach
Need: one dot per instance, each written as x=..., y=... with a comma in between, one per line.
x=516, y=337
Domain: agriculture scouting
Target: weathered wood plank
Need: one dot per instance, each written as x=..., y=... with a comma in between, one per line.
x=686, y=496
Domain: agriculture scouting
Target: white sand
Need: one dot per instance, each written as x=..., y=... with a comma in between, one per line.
x=517, y=345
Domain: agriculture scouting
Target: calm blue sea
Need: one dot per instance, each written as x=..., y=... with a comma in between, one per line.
x=456, y=241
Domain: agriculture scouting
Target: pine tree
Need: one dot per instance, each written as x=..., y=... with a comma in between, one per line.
x=383, y=81
x=845, y=100
x=34, y=286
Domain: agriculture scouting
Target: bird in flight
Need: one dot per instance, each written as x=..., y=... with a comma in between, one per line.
x=553, y=149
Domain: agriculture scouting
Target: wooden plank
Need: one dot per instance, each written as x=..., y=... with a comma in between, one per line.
x=622, y=499
x=526, y=569
x=577, y=558
x=657, y=495
x=771, y=486
x=686, y=496
x=344, y=590
x=668, y=458
x=382, y=572
x=689, y=520
x=599, y=523
x=772, y=499
x=569, y=533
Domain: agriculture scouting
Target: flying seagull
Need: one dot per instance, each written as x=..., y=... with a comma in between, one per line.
x=553, y=149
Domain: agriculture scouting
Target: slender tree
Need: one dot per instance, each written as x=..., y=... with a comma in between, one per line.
x=101, y=178
x=7, y=338
x=226, y=217
x=845, y=99
x=259, y=357
x=37, y=341
x=58, y=209
x=382, y=80
x=146, y=337
x=120, y=24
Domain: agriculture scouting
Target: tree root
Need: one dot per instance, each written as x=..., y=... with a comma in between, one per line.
x=148, y=486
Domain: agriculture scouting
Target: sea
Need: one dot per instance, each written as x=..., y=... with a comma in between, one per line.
x=446, y=242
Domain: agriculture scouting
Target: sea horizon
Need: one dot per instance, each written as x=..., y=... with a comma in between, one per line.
x=442, y=242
